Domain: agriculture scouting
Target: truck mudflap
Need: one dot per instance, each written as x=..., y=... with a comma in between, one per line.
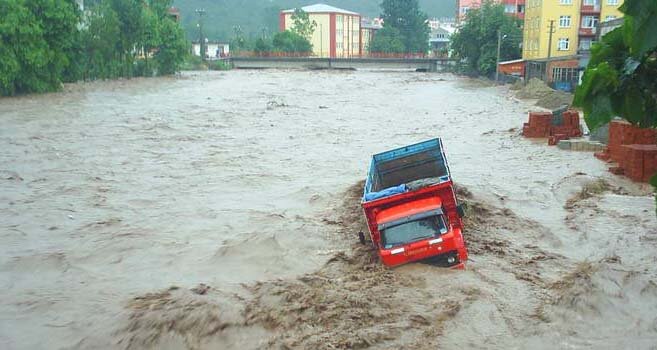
x=447, y=250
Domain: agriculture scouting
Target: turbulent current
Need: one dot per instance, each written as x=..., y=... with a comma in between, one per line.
x=219, y=210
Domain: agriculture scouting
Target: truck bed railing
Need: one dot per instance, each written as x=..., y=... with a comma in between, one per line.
x=392, y=169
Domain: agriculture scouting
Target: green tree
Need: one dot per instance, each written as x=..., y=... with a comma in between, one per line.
x=101, y=43
x=302, y=24
x=156, y=44
x=621, y=78
x=150, y=38
x=291, y=42
x=387, y=40
x=262, y=46
x=38, y=41
x=476, y=41
x=130, y=30
x=173, y=47
x=409, y=22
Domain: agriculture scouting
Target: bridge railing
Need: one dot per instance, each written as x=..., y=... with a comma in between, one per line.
x=380, y=55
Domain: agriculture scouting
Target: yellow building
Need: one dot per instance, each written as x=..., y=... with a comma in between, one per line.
x=572, y=23
x=337, y=34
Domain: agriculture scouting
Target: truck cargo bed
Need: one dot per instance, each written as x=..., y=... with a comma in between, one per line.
x=405, y=165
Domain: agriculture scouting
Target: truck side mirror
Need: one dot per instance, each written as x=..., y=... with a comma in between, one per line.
x=460, y=209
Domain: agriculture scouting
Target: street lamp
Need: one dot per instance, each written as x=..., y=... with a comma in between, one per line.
x=201, y=40
x=499, y=46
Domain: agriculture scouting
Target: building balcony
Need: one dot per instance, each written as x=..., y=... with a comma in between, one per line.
x=587, y=31
x=590, y=9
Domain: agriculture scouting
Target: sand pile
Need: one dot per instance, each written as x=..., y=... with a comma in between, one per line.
x=547, y=97
x=555, y=100
x=534, y=89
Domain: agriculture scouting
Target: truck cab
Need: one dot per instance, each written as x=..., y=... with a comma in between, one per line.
x=411, y=208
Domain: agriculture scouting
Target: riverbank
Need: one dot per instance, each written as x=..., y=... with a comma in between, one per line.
x=120, y=198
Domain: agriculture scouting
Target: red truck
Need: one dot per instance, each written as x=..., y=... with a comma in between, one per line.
x=411, y=208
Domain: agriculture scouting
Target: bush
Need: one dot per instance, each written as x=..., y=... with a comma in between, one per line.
x=288, y=41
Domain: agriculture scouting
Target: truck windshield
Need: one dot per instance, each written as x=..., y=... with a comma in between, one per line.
x=413, y=231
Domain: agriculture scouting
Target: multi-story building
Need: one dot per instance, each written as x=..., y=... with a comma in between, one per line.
x=557, y=37
x=338, y=31
x=511, y=7
x=558, y=28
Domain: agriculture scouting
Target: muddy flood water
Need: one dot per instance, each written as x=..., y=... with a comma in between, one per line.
x=219, y=210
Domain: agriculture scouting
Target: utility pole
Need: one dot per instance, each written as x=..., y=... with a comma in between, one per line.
x=201, y=41
x=497, y=64
x=550, y=39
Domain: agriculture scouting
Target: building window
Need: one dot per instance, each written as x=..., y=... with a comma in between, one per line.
x=589, y=22
x=610, y=18
x=585, y=44
x=564, y=21
x=464, y=10
x=510, y=8
x=612, y=2
x=564, y=44
x=590, y=2
x=566, y=2
x=565, y=74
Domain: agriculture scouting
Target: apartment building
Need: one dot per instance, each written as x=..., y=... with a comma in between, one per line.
x=560, y=28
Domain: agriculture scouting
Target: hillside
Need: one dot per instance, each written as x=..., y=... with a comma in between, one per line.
x=256, y=16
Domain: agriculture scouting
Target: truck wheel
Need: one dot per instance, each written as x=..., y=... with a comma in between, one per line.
x=361, y=237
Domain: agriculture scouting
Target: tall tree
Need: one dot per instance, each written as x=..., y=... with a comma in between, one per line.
x=409, y=21
x=621, y=78
x=172, y=48
x=38, y=37
x=387, y=40
x=476, y=41
x=302, y=24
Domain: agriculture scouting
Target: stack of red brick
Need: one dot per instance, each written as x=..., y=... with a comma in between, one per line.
x=541, y=125
x=634, y=149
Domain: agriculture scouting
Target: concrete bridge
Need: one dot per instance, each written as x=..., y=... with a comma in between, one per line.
x=419, y=64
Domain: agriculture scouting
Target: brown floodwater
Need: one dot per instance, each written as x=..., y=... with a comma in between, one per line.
x=110, y=191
